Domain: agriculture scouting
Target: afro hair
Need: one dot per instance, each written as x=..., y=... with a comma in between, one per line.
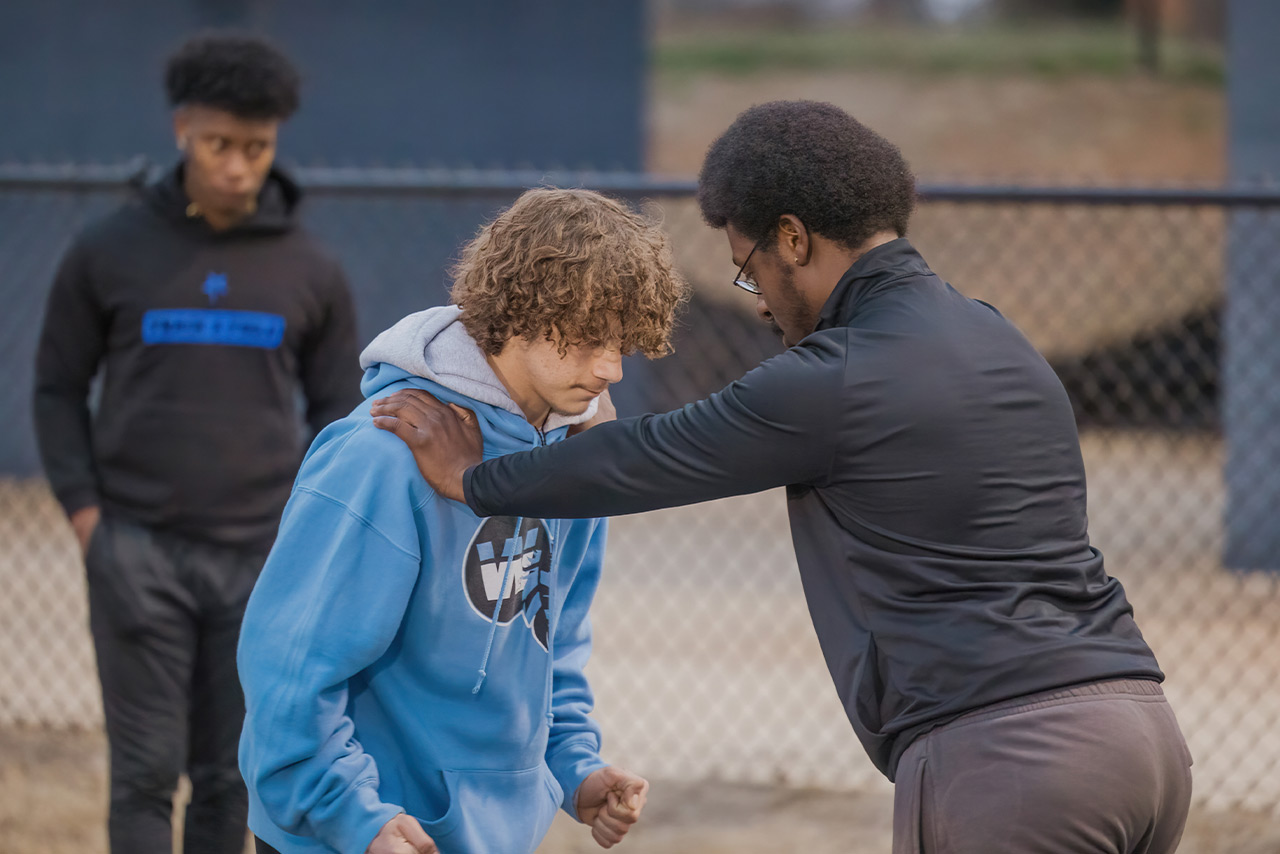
x=809, y=159
x=242, y=74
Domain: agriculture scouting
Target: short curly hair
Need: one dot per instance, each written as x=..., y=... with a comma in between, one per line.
x=243, y=74
x=571, y=266
x=809, y=159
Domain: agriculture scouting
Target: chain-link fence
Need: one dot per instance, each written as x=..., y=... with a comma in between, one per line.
x=706, y=665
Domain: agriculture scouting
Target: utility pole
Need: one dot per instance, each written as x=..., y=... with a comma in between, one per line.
x=1146, y=15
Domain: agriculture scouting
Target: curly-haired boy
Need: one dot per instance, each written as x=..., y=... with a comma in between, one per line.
x=413, y=672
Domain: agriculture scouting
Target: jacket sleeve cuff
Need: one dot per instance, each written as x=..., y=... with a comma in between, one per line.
x=77, y=498
x=467, y=495
x=570, y=765
x=359, y=821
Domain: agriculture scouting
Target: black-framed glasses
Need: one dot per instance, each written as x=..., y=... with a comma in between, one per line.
x=742, y=280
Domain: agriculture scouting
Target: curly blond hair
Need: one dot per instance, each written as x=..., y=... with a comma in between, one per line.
x=571, y=266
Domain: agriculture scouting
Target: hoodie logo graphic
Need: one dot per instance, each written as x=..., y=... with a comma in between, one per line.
x=525, y=559
x=215, y=287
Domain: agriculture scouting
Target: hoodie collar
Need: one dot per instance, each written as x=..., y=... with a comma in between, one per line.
x=276, y=211
x=434, y=344
x=873, y=272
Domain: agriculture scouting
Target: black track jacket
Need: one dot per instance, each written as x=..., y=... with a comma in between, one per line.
x=936, y=494
x=205, y=339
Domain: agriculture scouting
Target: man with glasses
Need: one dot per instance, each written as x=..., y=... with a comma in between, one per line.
x=986, y=660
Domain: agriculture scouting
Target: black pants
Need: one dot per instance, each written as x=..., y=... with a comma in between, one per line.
x=165, y=614
x=261, y=847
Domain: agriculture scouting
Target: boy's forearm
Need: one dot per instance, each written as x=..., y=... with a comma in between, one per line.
x=573, y=762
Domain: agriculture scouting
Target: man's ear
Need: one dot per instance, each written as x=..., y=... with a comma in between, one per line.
x=793, y=240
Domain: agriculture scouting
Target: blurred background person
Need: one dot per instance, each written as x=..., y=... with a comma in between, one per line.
x=207, y=309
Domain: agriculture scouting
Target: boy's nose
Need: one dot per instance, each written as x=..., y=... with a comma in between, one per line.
x=609, y=367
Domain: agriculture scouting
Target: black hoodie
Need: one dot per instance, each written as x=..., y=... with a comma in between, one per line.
x=205, y=338
x=936, y=493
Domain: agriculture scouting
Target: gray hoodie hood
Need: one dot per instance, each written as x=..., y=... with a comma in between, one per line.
x=435, y=345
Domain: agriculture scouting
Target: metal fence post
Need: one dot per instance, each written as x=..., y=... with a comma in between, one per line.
x=1251, y=347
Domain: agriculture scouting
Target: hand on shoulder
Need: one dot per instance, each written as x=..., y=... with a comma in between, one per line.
x=445, y=439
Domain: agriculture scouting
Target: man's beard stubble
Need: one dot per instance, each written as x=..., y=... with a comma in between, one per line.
x=790, y=302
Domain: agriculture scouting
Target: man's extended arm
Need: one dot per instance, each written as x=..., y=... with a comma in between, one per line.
x=775, y=426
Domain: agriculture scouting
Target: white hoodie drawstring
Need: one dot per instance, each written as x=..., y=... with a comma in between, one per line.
x=497, y=608
x=551, y=629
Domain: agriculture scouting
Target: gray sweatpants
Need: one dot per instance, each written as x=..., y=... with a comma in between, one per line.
x=165, y=614
x=1100, y=768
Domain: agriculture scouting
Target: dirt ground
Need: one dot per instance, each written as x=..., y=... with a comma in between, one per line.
x=976, y=129
x=53, y=796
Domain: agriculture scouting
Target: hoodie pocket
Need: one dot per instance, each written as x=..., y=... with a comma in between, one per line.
x=496, y=812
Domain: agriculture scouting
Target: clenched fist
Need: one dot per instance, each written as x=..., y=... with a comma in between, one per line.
x=610, y=800
x=402, y=835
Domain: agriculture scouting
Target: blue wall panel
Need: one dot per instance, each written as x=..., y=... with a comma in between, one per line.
x=502, y=83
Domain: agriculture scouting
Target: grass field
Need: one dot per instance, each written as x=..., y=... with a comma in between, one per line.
x=1106, y=50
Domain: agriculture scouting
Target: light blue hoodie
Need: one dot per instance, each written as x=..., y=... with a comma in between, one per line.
x=376, y=679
